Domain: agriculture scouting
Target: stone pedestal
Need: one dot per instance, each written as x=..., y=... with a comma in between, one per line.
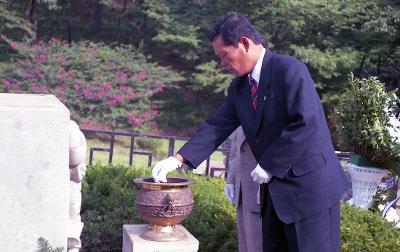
x=133, y=243
x=34, y=181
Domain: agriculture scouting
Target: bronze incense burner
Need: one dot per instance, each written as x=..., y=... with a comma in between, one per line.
x=164, y=205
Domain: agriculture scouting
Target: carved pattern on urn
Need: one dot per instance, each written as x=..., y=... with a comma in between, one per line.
x=164, y=204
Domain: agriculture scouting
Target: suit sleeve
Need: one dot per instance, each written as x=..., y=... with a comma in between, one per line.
x=233, y=158
x=212, y=133
x=303, y=129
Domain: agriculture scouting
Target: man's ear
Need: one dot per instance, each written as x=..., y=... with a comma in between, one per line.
x=245, y=42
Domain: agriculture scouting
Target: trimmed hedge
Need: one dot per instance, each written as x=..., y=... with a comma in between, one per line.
x=366, y=231
x=108, y=202
x=108, y=196
x=213, y=220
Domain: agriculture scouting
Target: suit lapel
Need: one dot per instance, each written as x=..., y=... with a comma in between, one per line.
x=263, y=88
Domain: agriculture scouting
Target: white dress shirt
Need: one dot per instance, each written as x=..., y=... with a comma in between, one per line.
x=255, y=74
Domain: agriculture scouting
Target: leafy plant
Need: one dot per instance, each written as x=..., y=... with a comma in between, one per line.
x=363, y=230
x=363, y=123
x=44, y=246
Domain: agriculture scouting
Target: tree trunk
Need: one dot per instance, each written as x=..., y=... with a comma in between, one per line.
x=97, y=18
x=140, y=32
x=361, y=65
x=69, y=30
x=378, y=67
x=31, y=13
x=119, y=21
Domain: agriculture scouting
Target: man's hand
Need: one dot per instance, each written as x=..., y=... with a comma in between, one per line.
x=230, y=192
x=164, y=166
x=260, y=175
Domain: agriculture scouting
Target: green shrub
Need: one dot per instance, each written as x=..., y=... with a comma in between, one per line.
x=108, y=196
x=363, y=230
x=212, y=220
x=108, y=203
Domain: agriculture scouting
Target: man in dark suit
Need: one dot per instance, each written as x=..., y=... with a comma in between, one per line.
x=274, y=99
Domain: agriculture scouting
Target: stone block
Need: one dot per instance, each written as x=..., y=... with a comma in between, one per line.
x=34, y=181
x=133, y=243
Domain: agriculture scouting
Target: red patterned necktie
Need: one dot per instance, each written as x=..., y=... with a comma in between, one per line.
x=253, y=89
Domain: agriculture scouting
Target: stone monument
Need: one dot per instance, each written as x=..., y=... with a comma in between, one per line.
x=34, y=181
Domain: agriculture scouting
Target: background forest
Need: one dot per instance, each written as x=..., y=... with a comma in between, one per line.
x=147, y=64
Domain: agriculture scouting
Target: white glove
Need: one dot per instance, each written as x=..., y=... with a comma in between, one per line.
x=230, y=192
x=260, y=176
x=164, y=166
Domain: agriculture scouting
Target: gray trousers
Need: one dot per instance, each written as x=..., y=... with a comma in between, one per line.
x=249, y=225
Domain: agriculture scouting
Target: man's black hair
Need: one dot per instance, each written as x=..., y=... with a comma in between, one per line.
x=232, y=26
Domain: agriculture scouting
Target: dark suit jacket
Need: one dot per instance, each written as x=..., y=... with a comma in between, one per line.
x=288, y=136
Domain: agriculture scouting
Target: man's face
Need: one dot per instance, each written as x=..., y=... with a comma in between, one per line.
x=232, y=58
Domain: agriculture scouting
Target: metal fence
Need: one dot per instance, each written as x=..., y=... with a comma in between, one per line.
x=211, y=171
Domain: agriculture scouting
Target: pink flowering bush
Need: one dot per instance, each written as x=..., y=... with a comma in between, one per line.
x=101, y=85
